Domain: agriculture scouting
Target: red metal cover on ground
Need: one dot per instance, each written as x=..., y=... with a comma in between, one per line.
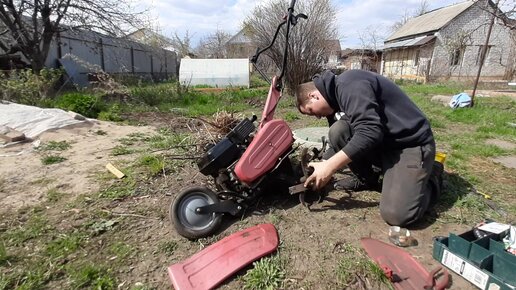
x=264, y=151
x=404, y=271
x=214, y=264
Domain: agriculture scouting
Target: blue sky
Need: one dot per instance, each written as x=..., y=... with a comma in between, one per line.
x=201, y=17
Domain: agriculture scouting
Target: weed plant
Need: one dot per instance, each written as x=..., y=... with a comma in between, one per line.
x=83, y=103
x=268, y=273
x=52, y=159
x=55, y=146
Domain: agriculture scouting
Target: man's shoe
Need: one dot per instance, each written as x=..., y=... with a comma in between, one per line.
x=353, y=183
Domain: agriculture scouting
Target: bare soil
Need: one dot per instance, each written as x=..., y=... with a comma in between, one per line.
x=311, y=241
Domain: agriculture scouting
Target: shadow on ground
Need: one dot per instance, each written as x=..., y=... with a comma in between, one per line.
x=454, y=188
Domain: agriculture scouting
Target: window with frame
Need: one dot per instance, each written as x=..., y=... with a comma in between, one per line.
x=481, y=54
x=456, y=56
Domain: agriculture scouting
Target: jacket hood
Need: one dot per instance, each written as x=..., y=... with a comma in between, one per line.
x=325, y=83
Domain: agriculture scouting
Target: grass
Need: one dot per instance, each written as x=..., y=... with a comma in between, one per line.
x=462, y=134
x=92, y=276
x=55, y=146
x=121, y=250
x=166, y=139
x=121, y=150
x=64, y=244
x=53, y=195
x=134, y=138
x=168, y=247
x=52, y=159
x=291, y=116
x=274, y=218
x=267, y=273
x=154, y=164
x=118, y=188
x=355, y=263
x=35, y=226
x=43, y=181
x=3, y=254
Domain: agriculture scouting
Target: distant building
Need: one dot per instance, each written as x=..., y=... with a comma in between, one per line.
x=240, y=45
x=333, y=57
x=151, y=38
x=447, y=43
x=366, y=59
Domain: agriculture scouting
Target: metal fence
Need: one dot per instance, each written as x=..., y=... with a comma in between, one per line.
x=84, y=52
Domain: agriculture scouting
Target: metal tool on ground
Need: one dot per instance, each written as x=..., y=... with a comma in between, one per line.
x=488, y=200
x=214, y=264
x=402, y=269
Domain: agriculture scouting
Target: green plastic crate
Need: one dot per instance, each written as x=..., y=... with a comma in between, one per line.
x=483, y=262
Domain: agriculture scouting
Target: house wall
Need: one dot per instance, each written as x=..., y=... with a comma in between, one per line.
x=240, y=50
x=365, y=62
x=473, y=22
x=407, y=63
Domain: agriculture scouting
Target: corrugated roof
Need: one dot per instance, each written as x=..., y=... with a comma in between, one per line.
x=431, y=21
x=418, y=41
x=240, y=37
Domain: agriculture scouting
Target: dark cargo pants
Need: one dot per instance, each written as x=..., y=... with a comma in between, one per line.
x=406, y=190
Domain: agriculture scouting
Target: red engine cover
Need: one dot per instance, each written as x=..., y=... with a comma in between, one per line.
x=274, y=139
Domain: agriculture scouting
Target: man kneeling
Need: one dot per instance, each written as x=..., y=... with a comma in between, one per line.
x=375, y=130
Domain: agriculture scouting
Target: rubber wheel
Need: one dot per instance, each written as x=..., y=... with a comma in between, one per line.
x=189, y=223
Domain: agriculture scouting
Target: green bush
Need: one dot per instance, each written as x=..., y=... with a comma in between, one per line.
x=83, y=103
x=257, y=81
x=111, y=114
x=155, y=94
x=26, y=87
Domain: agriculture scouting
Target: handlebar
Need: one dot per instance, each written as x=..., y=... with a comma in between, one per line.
x=292, y=3
x=290, y=20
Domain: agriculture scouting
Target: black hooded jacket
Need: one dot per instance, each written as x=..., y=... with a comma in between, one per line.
x=379, y=112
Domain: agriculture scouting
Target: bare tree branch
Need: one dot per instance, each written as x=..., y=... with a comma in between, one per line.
x=182, y=45
x=213, y=46
x=308, y=47
x=32, y=24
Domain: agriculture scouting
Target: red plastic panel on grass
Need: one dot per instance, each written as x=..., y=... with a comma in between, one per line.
x=219, y=261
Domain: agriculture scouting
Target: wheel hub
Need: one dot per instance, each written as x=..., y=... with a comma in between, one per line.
x=188, y=212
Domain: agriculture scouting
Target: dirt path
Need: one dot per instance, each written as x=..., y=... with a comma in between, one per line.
x=24, y=179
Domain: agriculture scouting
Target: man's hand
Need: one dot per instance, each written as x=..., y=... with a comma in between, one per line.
x=321, y=175
x=324, y=170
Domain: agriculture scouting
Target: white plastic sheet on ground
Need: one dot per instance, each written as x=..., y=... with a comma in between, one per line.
x=33, y=121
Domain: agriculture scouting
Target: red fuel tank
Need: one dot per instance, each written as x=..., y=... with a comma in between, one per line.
x=271, y=142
